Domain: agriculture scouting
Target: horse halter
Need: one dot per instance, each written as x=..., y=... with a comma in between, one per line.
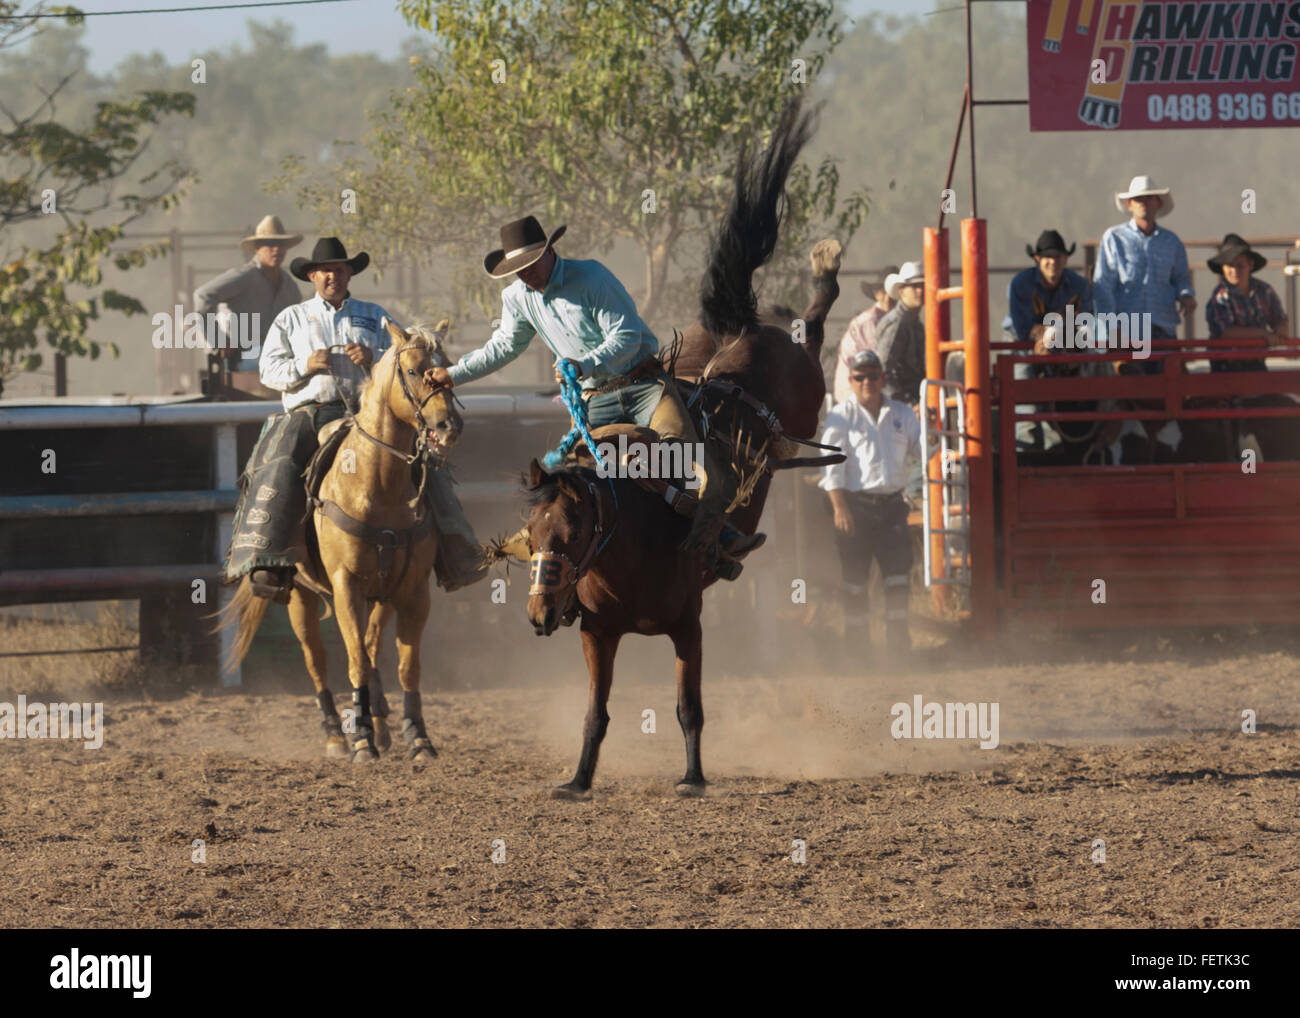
x=552, y=572
x=422, y=430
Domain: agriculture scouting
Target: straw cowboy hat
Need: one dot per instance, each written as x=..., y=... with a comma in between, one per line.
x=1232, y=246
x=881, y=282
x=1139, y=187
x=1049, y=242
x=522, y=243
x=327, y=250
x=270, y=229
x=909, y=273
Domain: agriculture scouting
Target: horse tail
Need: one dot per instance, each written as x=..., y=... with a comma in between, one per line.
x=748, y=234
x=246, y=610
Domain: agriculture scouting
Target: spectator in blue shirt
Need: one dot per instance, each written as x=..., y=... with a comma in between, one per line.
x=1141, y=267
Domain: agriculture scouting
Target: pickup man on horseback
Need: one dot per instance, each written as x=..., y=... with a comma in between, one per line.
x=300, y=359
x=586, y=317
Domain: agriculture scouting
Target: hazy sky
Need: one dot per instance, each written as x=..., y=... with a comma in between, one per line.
x=347, y=27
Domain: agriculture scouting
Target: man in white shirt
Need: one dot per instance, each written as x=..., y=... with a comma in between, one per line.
x=301, y=358
x=882, y=440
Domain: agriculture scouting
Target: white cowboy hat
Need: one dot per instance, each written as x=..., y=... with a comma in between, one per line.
x=1144, y=185
x=911, y=272
x=270, y=228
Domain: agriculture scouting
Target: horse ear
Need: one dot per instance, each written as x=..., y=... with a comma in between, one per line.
x=394, y=333
x=536, y=475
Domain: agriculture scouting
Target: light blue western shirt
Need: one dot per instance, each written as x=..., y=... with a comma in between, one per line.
x=1142, y=274
x=584, y=313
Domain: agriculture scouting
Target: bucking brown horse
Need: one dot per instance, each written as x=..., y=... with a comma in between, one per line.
x=609, y=551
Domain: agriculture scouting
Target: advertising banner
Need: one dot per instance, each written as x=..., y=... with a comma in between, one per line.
x=1159, y=64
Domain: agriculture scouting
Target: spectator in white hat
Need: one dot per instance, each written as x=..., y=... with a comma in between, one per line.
x=861, y=333
x=259, y=286
x=900, y=336
x=1142, y=268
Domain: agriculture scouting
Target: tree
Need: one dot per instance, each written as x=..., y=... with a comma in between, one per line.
x=63, y=181
x=623, y=120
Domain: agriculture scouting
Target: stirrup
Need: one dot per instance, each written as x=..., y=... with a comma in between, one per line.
x=274, y=584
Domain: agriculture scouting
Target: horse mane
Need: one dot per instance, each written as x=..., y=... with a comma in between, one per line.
x=748, y=234
x=417, y=336
x=549, y=490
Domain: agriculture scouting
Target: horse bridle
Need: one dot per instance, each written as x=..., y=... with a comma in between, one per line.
x=423, y=442
x=551, y=572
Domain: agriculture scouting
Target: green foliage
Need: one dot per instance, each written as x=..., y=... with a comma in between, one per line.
x=584, y=112
x=81, y=168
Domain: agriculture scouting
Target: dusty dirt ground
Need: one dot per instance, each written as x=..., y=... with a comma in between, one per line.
x=1141, y=748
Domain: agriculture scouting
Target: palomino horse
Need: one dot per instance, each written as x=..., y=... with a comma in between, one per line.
x=376, y=546
x=611, y=551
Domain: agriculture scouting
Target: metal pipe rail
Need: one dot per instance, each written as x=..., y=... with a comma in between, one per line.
x=219, y=498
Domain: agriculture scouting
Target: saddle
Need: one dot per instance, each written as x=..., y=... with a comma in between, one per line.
x=678, y=498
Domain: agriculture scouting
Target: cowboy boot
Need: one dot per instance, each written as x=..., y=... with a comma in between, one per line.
x=711, y=523
x=274, y=584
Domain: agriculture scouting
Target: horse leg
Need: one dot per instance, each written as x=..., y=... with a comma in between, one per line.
x=599, y=649
x=379, y=616
x=350, y=606
x=825, y=258
x=688, y=642
x=304, y=616
x=412, y=613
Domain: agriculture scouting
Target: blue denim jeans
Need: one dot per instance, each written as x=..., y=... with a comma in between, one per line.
x=632, y=404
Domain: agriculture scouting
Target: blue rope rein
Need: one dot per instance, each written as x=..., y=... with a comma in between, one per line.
x=571, y=396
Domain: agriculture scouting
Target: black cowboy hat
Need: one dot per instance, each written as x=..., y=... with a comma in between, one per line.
x=327, y=249
x=1232, y=246
x=873, y=284
x=1049, y=242
x=522, y=243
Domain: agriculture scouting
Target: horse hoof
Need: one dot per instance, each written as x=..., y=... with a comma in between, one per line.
x=691, y=789
x=571, y=793
x=335, y=747
x=364, y=754
x=825, y=256
x=383, y=738
x=422, y=753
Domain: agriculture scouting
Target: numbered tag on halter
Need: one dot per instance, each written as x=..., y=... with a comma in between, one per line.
x=546, y=573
